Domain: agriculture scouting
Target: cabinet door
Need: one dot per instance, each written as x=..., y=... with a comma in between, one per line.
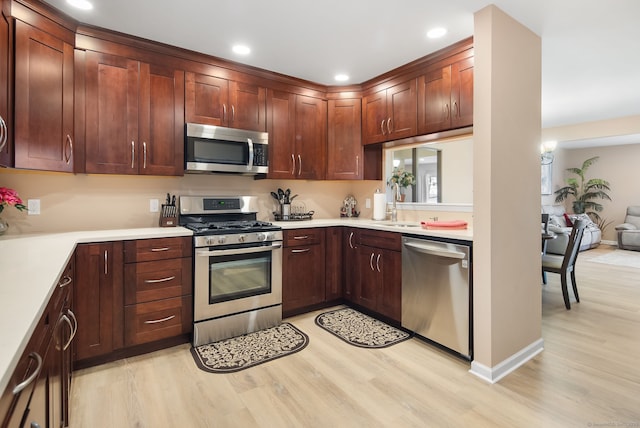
x=43, y=100
x=207, y=99
x=368, y=286
x=98, y=299
x=462, y=93
x=390, y=293
x=248, y=106
x=374, y=116
x=351, y=267
x=6, y=142
x=161, y=121
x=310, y=138
x=333, y=263
x=111, y=84
x=434, y=105
x=281, y=128
x=344, y=140
x=303, y=277
x=402, y=103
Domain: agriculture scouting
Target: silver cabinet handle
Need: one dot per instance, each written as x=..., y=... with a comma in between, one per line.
x=357, y=164
x=133, y=153
x=75, y=323
x=389, y=126
x=446, y=106
x=293, y=164
x=155, y=281
x=233, y=113
x=456, y=109
x=106, y=262
x=378, y=262
x=155, y=250
x=304, y=250
x=299, y=165
x=66, y=280
x=301, y=237
x=382, y=127
x=144, y=155
x=70, y=141
x=3, y=133
x=22, y=385
x=224, y=112
x=351, y=240
x=68, y=321
x=371, y=261
x=160, y=320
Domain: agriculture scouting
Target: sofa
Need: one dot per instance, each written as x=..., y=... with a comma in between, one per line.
x=559, y=224
x=629, y=231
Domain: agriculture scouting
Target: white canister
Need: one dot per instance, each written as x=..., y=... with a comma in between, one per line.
x=379, y=205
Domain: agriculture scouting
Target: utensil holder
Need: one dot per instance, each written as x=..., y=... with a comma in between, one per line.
x=285, y=211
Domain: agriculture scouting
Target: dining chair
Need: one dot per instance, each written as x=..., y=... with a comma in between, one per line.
x=565, y=265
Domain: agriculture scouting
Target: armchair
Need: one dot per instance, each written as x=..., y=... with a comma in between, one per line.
x=558, y=224
x=629, y=231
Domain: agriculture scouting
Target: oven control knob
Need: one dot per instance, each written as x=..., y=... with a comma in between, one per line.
x=242, y=238
x=222, y=239
x=209, y=240
x=262, y=236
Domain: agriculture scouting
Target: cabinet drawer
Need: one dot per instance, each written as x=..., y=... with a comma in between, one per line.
x=296, y=237
x=144, y=250
x=148, y=322
x=387, y=240
x=160, y=279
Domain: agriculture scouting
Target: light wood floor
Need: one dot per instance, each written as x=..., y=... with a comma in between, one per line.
x=588, y=375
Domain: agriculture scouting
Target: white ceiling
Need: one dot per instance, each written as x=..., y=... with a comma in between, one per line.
x=590, y=48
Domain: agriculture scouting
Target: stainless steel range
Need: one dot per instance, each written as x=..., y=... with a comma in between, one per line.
x=237, y=267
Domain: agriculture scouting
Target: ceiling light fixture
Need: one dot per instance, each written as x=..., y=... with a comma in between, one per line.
x=241, y=49
x=436, y=33
x=80, y=4
x=341, y=77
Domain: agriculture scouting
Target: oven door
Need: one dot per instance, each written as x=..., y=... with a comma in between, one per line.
x=234, y=280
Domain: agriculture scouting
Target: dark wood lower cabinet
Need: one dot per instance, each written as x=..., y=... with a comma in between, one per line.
x=303, y=270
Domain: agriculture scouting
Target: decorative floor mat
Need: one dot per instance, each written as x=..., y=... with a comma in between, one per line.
x=359, y=329
x=238, y=353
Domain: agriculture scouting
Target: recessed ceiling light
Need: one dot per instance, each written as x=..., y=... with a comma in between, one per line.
x=81, y=4
x=241, y=49
x=436, y=32
x=341, y=77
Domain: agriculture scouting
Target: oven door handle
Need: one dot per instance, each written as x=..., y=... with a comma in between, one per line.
x=234, y=251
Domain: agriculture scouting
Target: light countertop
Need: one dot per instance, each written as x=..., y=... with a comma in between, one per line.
x=30, y=266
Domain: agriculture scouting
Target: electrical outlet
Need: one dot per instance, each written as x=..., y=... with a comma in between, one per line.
x=367, y=203
x=154, y=206
x=33, y=206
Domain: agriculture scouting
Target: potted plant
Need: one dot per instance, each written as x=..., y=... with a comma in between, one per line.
x=585, y=192
x=8, y=198
x=404, y=179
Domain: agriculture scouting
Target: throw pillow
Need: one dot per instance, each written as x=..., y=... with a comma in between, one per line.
x=567, y=219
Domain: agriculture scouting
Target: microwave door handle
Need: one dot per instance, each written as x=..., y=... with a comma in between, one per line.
x=250, y=143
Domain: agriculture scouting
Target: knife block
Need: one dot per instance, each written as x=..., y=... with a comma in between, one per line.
x=168, y=216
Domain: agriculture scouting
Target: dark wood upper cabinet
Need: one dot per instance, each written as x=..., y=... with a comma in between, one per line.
x=297, y=136
x=390, y=114
x=445, y=97
x=344, y=140
x=134, y=120
x=43, y=135
x=215, y=101
x=6, y=54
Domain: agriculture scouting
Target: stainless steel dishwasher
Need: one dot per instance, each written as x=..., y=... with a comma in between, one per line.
x=436, y=294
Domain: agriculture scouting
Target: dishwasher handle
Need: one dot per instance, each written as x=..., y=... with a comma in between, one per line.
x=435, y=250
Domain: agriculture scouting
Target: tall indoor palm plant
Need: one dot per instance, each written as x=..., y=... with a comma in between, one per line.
x=584, y=191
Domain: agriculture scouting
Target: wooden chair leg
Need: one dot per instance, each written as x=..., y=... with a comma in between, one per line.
x=575, y=286
x=565, y=291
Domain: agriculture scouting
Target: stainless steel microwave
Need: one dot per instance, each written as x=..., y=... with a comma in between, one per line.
x=218, y=149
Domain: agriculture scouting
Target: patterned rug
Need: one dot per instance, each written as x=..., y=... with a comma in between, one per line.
x=359, y=329
x=238, y=353
x=620, y=258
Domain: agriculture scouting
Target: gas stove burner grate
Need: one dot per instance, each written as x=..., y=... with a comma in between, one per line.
x=228, y=225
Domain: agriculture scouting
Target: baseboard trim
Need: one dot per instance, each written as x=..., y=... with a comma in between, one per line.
x=607, y=242
x=494, y=374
